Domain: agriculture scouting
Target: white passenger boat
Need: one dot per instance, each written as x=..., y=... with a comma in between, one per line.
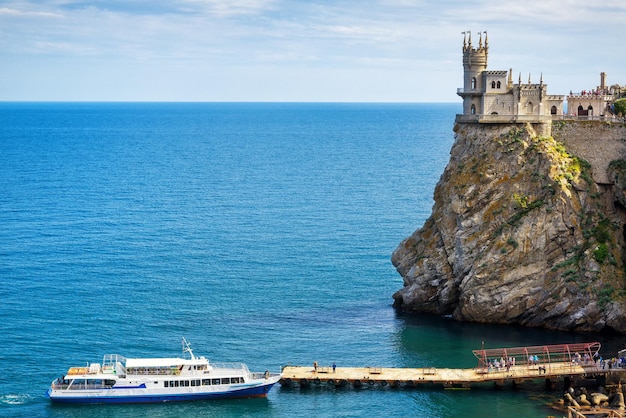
x=130, y=380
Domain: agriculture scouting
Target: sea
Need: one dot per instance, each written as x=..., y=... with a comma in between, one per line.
x=260, y=232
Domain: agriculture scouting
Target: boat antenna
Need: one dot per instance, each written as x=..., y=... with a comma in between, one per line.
x=187, y=349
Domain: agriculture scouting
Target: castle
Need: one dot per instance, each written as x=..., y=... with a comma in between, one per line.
x=491, y=97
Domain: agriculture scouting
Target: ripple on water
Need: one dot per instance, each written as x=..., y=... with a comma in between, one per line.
x=14, y=399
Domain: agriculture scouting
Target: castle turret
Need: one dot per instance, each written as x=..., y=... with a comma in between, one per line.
x=474, y=63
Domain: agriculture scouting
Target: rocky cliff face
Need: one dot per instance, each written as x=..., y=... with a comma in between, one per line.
x=520, y=233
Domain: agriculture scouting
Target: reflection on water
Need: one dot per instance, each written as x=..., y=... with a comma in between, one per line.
x=426, y=340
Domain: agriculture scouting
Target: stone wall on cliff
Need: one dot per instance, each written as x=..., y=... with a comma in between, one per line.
x=523, y=231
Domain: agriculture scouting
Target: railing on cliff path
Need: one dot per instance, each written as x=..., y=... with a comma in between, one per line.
x=461, y=118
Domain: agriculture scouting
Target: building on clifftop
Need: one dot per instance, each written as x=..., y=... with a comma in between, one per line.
x=593, y=103
x=491, y=96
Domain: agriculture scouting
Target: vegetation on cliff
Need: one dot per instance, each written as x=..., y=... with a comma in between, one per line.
x=620, y=107
x=520, y=233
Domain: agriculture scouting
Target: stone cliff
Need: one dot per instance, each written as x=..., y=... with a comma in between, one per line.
x=528, y=227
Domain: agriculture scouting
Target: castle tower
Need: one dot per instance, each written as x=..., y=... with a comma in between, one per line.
x=474, y=63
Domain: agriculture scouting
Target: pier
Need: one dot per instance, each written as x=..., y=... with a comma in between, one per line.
x=495, y=366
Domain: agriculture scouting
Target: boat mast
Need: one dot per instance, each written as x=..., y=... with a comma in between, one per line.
x=187, y=349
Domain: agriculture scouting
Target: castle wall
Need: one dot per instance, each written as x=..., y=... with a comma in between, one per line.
x=556, y=101
x=502, y=104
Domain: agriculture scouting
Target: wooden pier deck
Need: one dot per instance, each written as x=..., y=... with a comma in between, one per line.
x=442, y=377
x=497, y=366
x=447, y=378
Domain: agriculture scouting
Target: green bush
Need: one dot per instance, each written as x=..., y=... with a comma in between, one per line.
x=620, y=107
x=605, y=296
x=601, y=231
x=600, y=253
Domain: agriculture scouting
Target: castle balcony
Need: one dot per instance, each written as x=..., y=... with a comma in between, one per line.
x=461, y=91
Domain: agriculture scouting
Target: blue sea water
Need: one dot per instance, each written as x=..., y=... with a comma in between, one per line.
x=260, y=232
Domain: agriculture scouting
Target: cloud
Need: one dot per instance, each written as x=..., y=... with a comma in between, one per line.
x=228, y=7
x=186, y=38
x=11, y=12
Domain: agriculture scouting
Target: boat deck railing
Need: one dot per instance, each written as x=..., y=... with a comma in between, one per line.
x=265, y=375
x=80, y=386
x=236, y=366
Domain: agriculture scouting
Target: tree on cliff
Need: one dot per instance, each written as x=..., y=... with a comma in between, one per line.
x=620, y=107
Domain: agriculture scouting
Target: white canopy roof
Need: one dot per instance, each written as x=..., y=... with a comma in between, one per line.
x=163, y=362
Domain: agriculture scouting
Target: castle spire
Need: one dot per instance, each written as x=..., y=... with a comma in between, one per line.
x=486, y=45
x=480, y=40
x=541, y=79
x=464, y=40
x=529, y=82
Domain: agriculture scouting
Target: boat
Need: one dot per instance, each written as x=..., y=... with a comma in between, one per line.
x=140, y=380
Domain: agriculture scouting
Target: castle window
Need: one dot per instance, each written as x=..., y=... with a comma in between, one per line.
x=499, y=85
x=553, y=110
x=473, y=83
x=529, y=108
x=493, y=84
x=590, y=110
x=473, y=110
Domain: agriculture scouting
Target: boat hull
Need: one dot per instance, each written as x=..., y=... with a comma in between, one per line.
x=119, y=396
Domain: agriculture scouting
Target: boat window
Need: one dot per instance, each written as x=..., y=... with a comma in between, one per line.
x=206, y=382
x=193, y=383
x=226, y=381
x=175, y=383
x=215, y=381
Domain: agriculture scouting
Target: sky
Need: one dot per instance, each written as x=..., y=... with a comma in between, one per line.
x=297, y=51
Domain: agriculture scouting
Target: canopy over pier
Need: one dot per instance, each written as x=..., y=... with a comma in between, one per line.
x=545, y=355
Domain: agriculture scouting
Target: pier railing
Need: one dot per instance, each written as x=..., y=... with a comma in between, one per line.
x=596, y=412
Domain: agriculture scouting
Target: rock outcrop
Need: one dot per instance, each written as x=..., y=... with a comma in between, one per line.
x=521, y=233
